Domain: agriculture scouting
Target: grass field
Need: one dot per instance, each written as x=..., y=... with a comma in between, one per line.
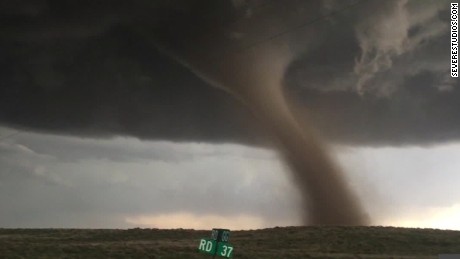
x=286, y=242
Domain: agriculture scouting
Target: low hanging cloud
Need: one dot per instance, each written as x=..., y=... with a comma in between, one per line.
x=130, y=184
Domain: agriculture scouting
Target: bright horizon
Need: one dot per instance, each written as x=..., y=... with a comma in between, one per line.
x=150, y=186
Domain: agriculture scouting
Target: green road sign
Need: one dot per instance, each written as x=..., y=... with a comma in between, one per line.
x=217, y=245
x=224, y=249
x=220, y=235
x=207, y=246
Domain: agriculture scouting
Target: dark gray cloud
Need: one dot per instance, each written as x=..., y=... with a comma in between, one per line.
x=382, y=79
x=88, y=68
x=70, y=69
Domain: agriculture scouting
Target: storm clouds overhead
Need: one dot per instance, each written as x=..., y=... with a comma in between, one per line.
x=357, y=73
x=88, y=68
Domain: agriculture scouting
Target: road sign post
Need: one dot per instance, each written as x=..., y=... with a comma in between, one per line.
x=218, y=244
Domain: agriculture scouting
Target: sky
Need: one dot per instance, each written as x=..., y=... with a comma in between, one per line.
x=140, y=114
x=62, y=181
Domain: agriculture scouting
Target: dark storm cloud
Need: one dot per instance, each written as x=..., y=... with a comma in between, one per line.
x=413, y=103
x=82, y=69
x=383, y=79
x=87, y=68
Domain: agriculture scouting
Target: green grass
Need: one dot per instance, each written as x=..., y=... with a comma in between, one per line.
x=289, y=242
